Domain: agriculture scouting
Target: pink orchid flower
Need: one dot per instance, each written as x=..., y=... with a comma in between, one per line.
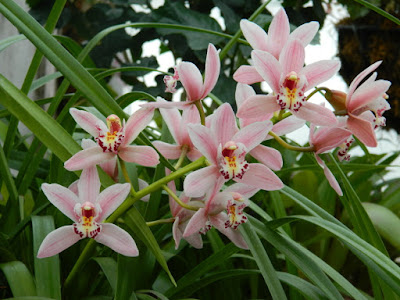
x=192, y=80
x=273, y=42
x=113, y=139
x=363, y=99
x=171, y=81
x=225, y=147
x=233, y=199
x=290, y=81
x=325, y=139
x=87, y=210
x=177, y=125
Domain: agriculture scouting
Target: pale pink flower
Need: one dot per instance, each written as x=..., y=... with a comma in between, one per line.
x=87, y=209
x=113, y=139
x=225, y=148
x=171, y=81
x=290, y=80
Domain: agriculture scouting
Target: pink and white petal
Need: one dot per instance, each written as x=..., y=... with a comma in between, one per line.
x=320, y=71
x=172, y=119
x=73, y=187
x=141, y=155
x=88, y=143
x=242, y=92
x=252, y=135
x=234, y=235
x=287, y=125
x=260, y=176
x=87, y=158
x=111, y=168
x=204, y=141
x=167, y=150
x=329, y=176
x=247, y=191
x=278, y=33
x=62, y=198
x=110, y=198
x=254, y=34
x=89, y=185
x=195, y=240
x=190, y=115
x=292, y=57
x=356, y=81
x=194, y=154
x=191, y=79
x=305, y=33
x=212, y=69
x=117, y=239
x=268, y=67
x=197, y=222
x=258, y=106
x=368, y=93
x=363, y=130
x=136, y=123
x=317, y=114
x=197, y=183
x=268, y=156
x=142, y=185
x=328, y=138
x=177, y=234
x=169, y=104
x=247, y=75
x=57, y=241
x=89, y=122
x=223, y=124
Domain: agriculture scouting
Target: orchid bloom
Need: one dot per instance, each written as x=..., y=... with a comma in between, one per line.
x=273, y=42
x=233, y=200
x=177, y=125
x=361, y=100
x=225, y=147
x=113, y=139
x=87, y=210
x=171, y=81
x=290, y=81
x=192, y=80
x=325, y=139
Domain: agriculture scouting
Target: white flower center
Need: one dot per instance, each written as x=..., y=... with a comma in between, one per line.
x=86, y=227
x=111, y=141
x=291, y=95
x=232, y=161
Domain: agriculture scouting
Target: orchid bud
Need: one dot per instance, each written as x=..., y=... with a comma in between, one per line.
x=337, y=99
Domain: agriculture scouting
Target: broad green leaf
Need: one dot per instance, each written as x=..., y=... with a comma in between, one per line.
x=19, y=278
x=47, y=270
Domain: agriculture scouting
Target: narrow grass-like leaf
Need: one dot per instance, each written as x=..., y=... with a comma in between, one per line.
x=308, y=290
x=19, y=278
x=7, y=177
x=47, y=270
x=4, y=43
x=109, y=266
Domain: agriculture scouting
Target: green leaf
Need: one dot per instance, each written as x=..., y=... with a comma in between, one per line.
x=19, y=278
x=4, y=43
x=109, y=266
x=47, y=270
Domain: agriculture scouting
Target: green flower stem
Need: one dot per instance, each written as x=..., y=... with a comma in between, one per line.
x=290, y=147
x=318, y=90
x=182, y=157
x=126, y=175
x=340, y=113
x=199, y=106
x=179, y=201
x=163, y=221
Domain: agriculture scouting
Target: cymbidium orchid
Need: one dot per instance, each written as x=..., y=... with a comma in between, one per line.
x=273, y=42
x=87, y=209
x=225, y=147
x=113, y=139
x=290, y=80
x=361, y=100
x=171, y=81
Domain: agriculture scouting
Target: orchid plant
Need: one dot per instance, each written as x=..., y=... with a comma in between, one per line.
x=226, y=188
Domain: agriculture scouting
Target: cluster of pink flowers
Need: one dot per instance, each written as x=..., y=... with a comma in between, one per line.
x=231, y=143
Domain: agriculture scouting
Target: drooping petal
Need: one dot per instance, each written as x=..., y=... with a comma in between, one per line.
x=89, y=122
x=270, y=157
x=305, y=33
x=142, y=185
x=259, y=175
x=89, y=185
x=234, y=235
x=167, y=150
x=194, y=154
x=197, y=183
x=317, y=114
x=328, y=138
x=247, y=75
x=172, y=119
x=320, y=71
x=57, y=241
x=195, y=240
x=292, y=57
x=363, y=96
x=62, y=198
x=363, y=130
x=87, y=158
x=252, y=135
x=212, y=70
x=287, y=125
x=141, y=155
x=329, y=176
x=111, y=198
x=176, y=232
x=245, y=190
x=254, y=34
x=268, y=67
x=223, y=124
x=257, y=106
x=117, y=239
x=197, y=222
x=278, y=33
x=111, y=168
x=190, y=115
x=204, y=141
x=136, y=123
x=356, y=81
x=242, y=93
x=191, y=79
x=168, y=104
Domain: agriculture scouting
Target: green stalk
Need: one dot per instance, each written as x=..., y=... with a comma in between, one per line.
x=379, y=11
x=179, y=201
x=201, y=112
x=290, y=147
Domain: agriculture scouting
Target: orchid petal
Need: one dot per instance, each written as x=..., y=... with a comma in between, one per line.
x=204, y=141
x=328, y=138
x=363, y=130
x=212, y=69
x=110, y=198
x=252, y=135
x=190, y=115
x=320, y=71
x=136, y=123
x=193, y=154
x=278, y=33
x=268, y=67
x=195, y=240
x=87, y=158
x=257, y=106
x=141, y=155
x=287, y=125
x=223, y=124
x=62, y=198
x=191, y=79
x=167, y=150
x=363, y=96
x=117, y=239
x=259, y=175
x=305, y=33
x=270, y=157
x=57, y=241
x=242, y=92
x=197, y=183
x=197, y=222
x=329, y=176
x=168, y=104
x=143, y=184
x=356, y=81
x=292, y=57
x=89, y=185
x=172, y=119
x=176, y=232
x=247, y=191
x=89, y=122
x=317, y=114
x=234, y=235
x=247, y=75
x=254, y=34
x=110, y=167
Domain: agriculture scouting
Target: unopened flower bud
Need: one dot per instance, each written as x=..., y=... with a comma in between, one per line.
x=337, y=99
